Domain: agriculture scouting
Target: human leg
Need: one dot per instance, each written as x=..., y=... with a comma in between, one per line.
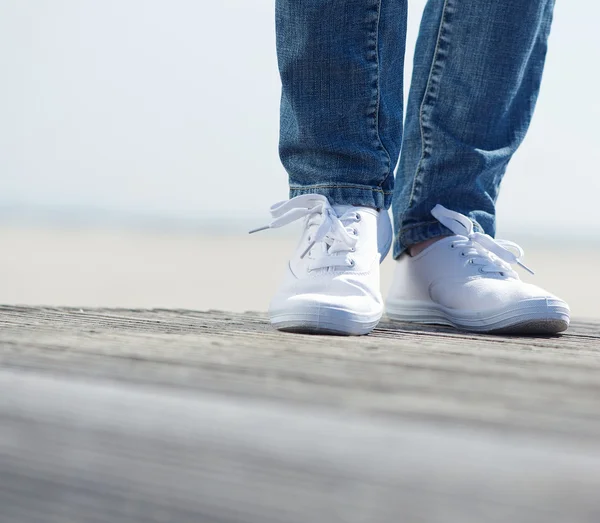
x=478, y=68
x=341, y=64
x=477, y=73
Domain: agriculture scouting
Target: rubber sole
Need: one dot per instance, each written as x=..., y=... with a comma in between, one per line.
x=324, y=321
x=541, y=316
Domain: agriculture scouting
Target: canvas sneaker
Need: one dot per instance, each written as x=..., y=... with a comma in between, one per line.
x=331, y=285
x=467, y=281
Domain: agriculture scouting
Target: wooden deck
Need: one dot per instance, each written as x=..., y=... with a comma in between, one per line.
x=181, y=416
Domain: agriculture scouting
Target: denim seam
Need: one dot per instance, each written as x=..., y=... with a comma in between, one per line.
x=338, y=186
x=421, y=235
x=421, y=224
x=425, y=147
x=476, y=227
x=378, y=96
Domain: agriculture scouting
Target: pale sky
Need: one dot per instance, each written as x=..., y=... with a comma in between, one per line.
x=171, y=107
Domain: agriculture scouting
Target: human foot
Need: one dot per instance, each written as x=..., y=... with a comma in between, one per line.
x=466, y=281
x=331, y=284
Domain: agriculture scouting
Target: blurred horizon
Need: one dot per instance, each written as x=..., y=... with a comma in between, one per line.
x=228, y=225
x=142, y=111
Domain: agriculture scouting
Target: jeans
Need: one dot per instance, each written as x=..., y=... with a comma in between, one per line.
x=476, y=77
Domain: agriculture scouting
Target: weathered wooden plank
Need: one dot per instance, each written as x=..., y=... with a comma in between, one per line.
x=81, y=451
x=125, y=415
x=549, y=383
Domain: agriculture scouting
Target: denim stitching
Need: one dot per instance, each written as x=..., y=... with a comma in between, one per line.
x=336, y=186
x=401, y=236
x=476, y=227
x=421, y=224
x=377, y=103
x=426, y=96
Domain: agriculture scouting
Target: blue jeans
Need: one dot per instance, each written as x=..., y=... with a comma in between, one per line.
x=477, y=72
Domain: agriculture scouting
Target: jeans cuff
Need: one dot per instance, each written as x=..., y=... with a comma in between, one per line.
x=359, y=195
x=420, y=232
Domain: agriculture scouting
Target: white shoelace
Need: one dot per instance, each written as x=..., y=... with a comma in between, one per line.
x=494, y=256
x=339, y=238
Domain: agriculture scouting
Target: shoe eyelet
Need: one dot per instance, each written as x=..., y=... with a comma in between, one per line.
x=358, y=217
x=353, y=249
x=452, y=246
x=355, y=231
x=351, y=262
x=463, y=254
x=309, y=239
x=481, y=271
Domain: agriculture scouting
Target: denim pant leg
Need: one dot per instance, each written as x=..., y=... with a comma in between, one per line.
x=341, y=65
x=477, y=72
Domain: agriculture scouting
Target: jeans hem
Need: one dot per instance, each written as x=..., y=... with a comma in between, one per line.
x=420, y=232
x=430, y=97
x=347, y=194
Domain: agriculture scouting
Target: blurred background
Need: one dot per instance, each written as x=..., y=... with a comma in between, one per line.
x=138, y=144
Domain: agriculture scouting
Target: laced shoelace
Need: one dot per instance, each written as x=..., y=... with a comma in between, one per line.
x=493, y=256
x=338, y=238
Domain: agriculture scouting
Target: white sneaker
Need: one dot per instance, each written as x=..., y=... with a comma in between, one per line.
x=466, y=281
x=332, y=280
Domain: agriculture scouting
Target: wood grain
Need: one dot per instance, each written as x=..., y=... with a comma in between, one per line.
x=175, y=415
